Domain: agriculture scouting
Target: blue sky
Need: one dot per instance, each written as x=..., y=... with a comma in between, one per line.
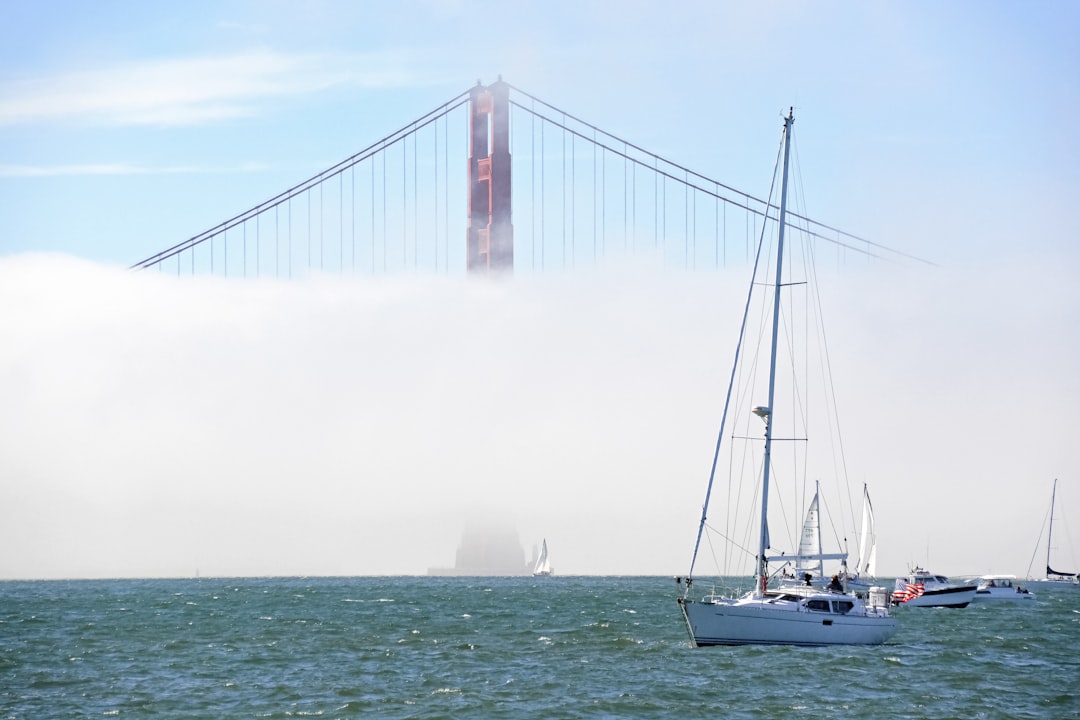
x=943, y=130
x=128, y=127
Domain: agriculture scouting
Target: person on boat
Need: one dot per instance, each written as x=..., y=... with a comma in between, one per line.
x=806, y=578
x=834, y=584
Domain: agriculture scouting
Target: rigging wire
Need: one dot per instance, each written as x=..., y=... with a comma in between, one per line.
x=731, y=384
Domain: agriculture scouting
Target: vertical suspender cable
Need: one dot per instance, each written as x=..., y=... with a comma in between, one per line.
x=416, y=202
x=603, y=199
x=435, y=194
x=446, y=189
x=656, y=206
x=372, y=214
x=383, y=151
x=322, y=223
x=341, y=223
x=352, y=215
x=543, y=132
x=532, y=189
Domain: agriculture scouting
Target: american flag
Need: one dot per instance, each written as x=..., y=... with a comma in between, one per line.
x=910, y=591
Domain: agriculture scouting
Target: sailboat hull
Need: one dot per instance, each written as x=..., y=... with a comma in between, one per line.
x=750, y=621
x=1065, y=583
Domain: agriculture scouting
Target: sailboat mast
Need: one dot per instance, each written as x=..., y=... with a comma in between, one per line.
x=1050, y=530
x=763, y=539
x=817, y=530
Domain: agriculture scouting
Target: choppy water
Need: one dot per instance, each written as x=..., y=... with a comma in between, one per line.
x=497, y=648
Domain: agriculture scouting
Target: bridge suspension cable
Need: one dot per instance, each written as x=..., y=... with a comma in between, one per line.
x=306, y=188
x=416, y=199
x=670, y=170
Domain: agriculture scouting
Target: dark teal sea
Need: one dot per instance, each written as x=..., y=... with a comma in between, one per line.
x=564, y=647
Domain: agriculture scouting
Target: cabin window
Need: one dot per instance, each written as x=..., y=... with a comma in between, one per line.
x=842, y=606
x=818, y=605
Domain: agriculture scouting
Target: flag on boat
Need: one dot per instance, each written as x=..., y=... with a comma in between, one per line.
x=905, y=592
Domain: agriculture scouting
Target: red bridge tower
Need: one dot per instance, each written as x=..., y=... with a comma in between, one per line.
x=490, y=241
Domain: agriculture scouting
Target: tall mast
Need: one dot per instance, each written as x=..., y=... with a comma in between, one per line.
x=768, y=416
x=1050, y=530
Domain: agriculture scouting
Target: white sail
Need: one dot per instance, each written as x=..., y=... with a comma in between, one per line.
x=543, y=565
x=867, y=564
x=809, y=560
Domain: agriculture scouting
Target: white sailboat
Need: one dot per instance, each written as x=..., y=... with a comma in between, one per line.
x=1053, y=578
x=543, y=568
x=865, y=574
x=788, y=613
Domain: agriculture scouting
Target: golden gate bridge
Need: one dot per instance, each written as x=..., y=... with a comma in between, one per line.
x=492, y=180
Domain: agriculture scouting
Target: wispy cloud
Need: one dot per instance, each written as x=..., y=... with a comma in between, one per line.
x=188, y=91
x=30, y=171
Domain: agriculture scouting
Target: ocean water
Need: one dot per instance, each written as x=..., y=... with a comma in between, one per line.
x=561, y=647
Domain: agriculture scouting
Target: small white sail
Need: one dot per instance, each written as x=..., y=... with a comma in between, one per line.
x=809, y=560
x=867, y=565
x=543, y=566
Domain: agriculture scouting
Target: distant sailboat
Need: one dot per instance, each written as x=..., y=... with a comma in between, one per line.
x=543, y=565
x=1053, y=577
